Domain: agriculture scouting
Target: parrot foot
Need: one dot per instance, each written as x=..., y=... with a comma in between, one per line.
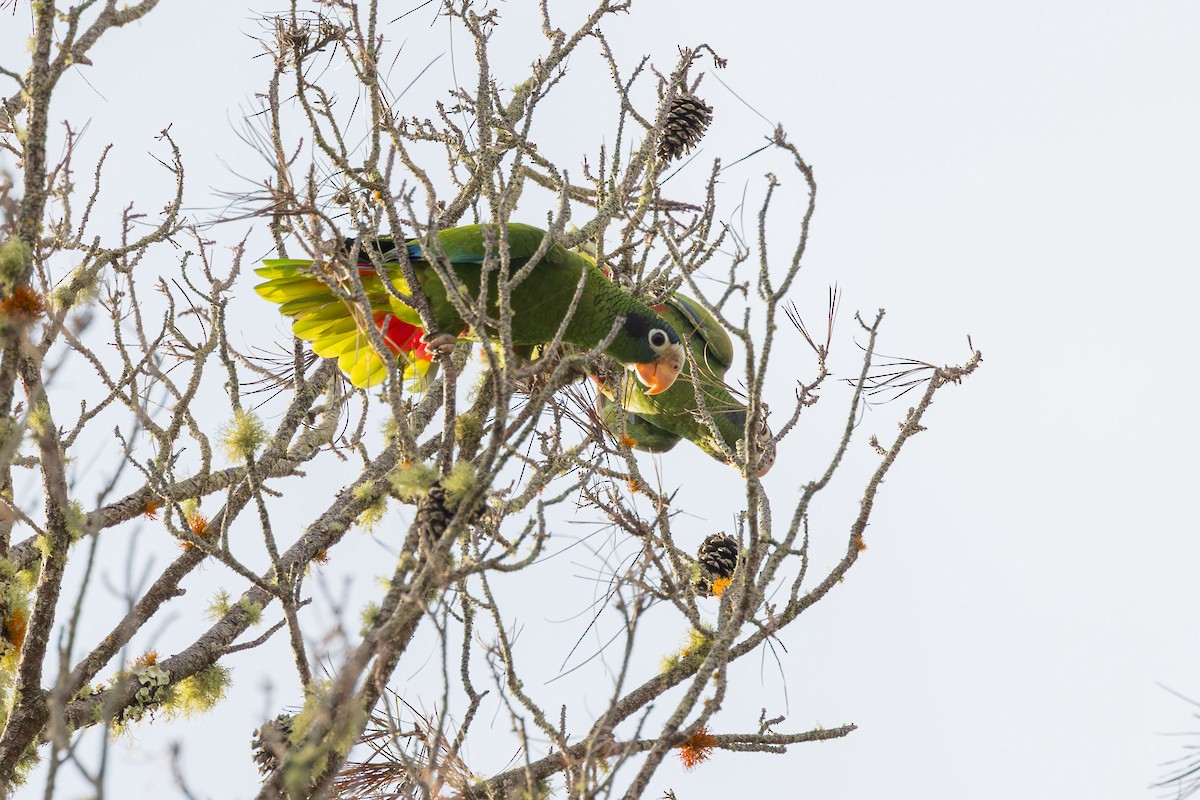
x=439, y=345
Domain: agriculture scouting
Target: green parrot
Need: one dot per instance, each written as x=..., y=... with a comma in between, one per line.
x=644, y=343
x=656, y=423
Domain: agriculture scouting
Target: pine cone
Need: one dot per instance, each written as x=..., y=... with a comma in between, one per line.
x=270, y=742
x=719, y=555
x=686, y=122
x=432, y=514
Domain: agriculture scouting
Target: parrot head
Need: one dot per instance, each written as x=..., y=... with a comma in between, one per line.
x=649, y=346
x=731, y=424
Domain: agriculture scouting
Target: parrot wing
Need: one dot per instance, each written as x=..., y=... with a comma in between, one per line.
x=335, y=329
x=646, y=436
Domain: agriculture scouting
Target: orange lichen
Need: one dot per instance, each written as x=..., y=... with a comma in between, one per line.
x=23, y=305
x=720, y=585
x=634, y=486
x=696, y=750
x=146, y=659
x=322, y=556
x=151, y=510
x=687, y=651
x=14, y=628
x=628, y=441
x=859, y=544
x=198, y=523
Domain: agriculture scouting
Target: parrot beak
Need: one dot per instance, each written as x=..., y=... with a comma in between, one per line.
x=766, y=461
x=659, y=375
x=765, y=464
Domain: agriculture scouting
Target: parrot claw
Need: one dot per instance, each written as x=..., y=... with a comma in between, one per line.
x=439, y=345
x=766, y=444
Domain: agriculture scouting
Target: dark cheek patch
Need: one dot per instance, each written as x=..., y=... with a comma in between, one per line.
x=637, y=326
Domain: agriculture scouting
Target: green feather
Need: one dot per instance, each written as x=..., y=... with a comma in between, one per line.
x=675, y=412
x=646, y=436
x=717, y=352
x=539, y=304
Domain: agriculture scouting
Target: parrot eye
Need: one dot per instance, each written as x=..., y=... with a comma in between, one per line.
x=658, y=338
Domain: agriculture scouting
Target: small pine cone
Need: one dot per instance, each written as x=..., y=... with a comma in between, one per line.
x=686, y=122
x=432, y=514
x=270, y=742
x=479, y=515
x=719, y=555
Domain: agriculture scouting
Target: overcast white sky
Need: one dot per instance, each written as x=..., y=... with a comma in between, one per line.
x=1023, y=172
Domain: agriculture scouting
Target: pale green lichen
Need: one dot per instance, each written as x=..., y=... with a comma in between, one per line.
x=152, y=677
x=195, y=694
x=368, y=617
x=78, y=287
x=16, y=259
x=324, y=428
x=15, y=589
x=391, y=430
x=222, y=604
x=310, y=759
x=15, y=585
x=309, y=712
x=251, y=609
x=459, y=482
x=696, y=649
x=200, y=692
x=243, y=435
x=218, y=607
x=33, y=572
x=27, y=761
x=412, y=481
x=89, y=690
x=134, y=674
x=154, y=689
x=540, y=790
x=38, y=419
x=376, y=507
x=77, y=521
x=468, y=431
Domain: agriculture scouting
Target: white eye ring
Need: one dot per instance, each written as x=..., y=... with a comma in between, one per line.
x=658, y=338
